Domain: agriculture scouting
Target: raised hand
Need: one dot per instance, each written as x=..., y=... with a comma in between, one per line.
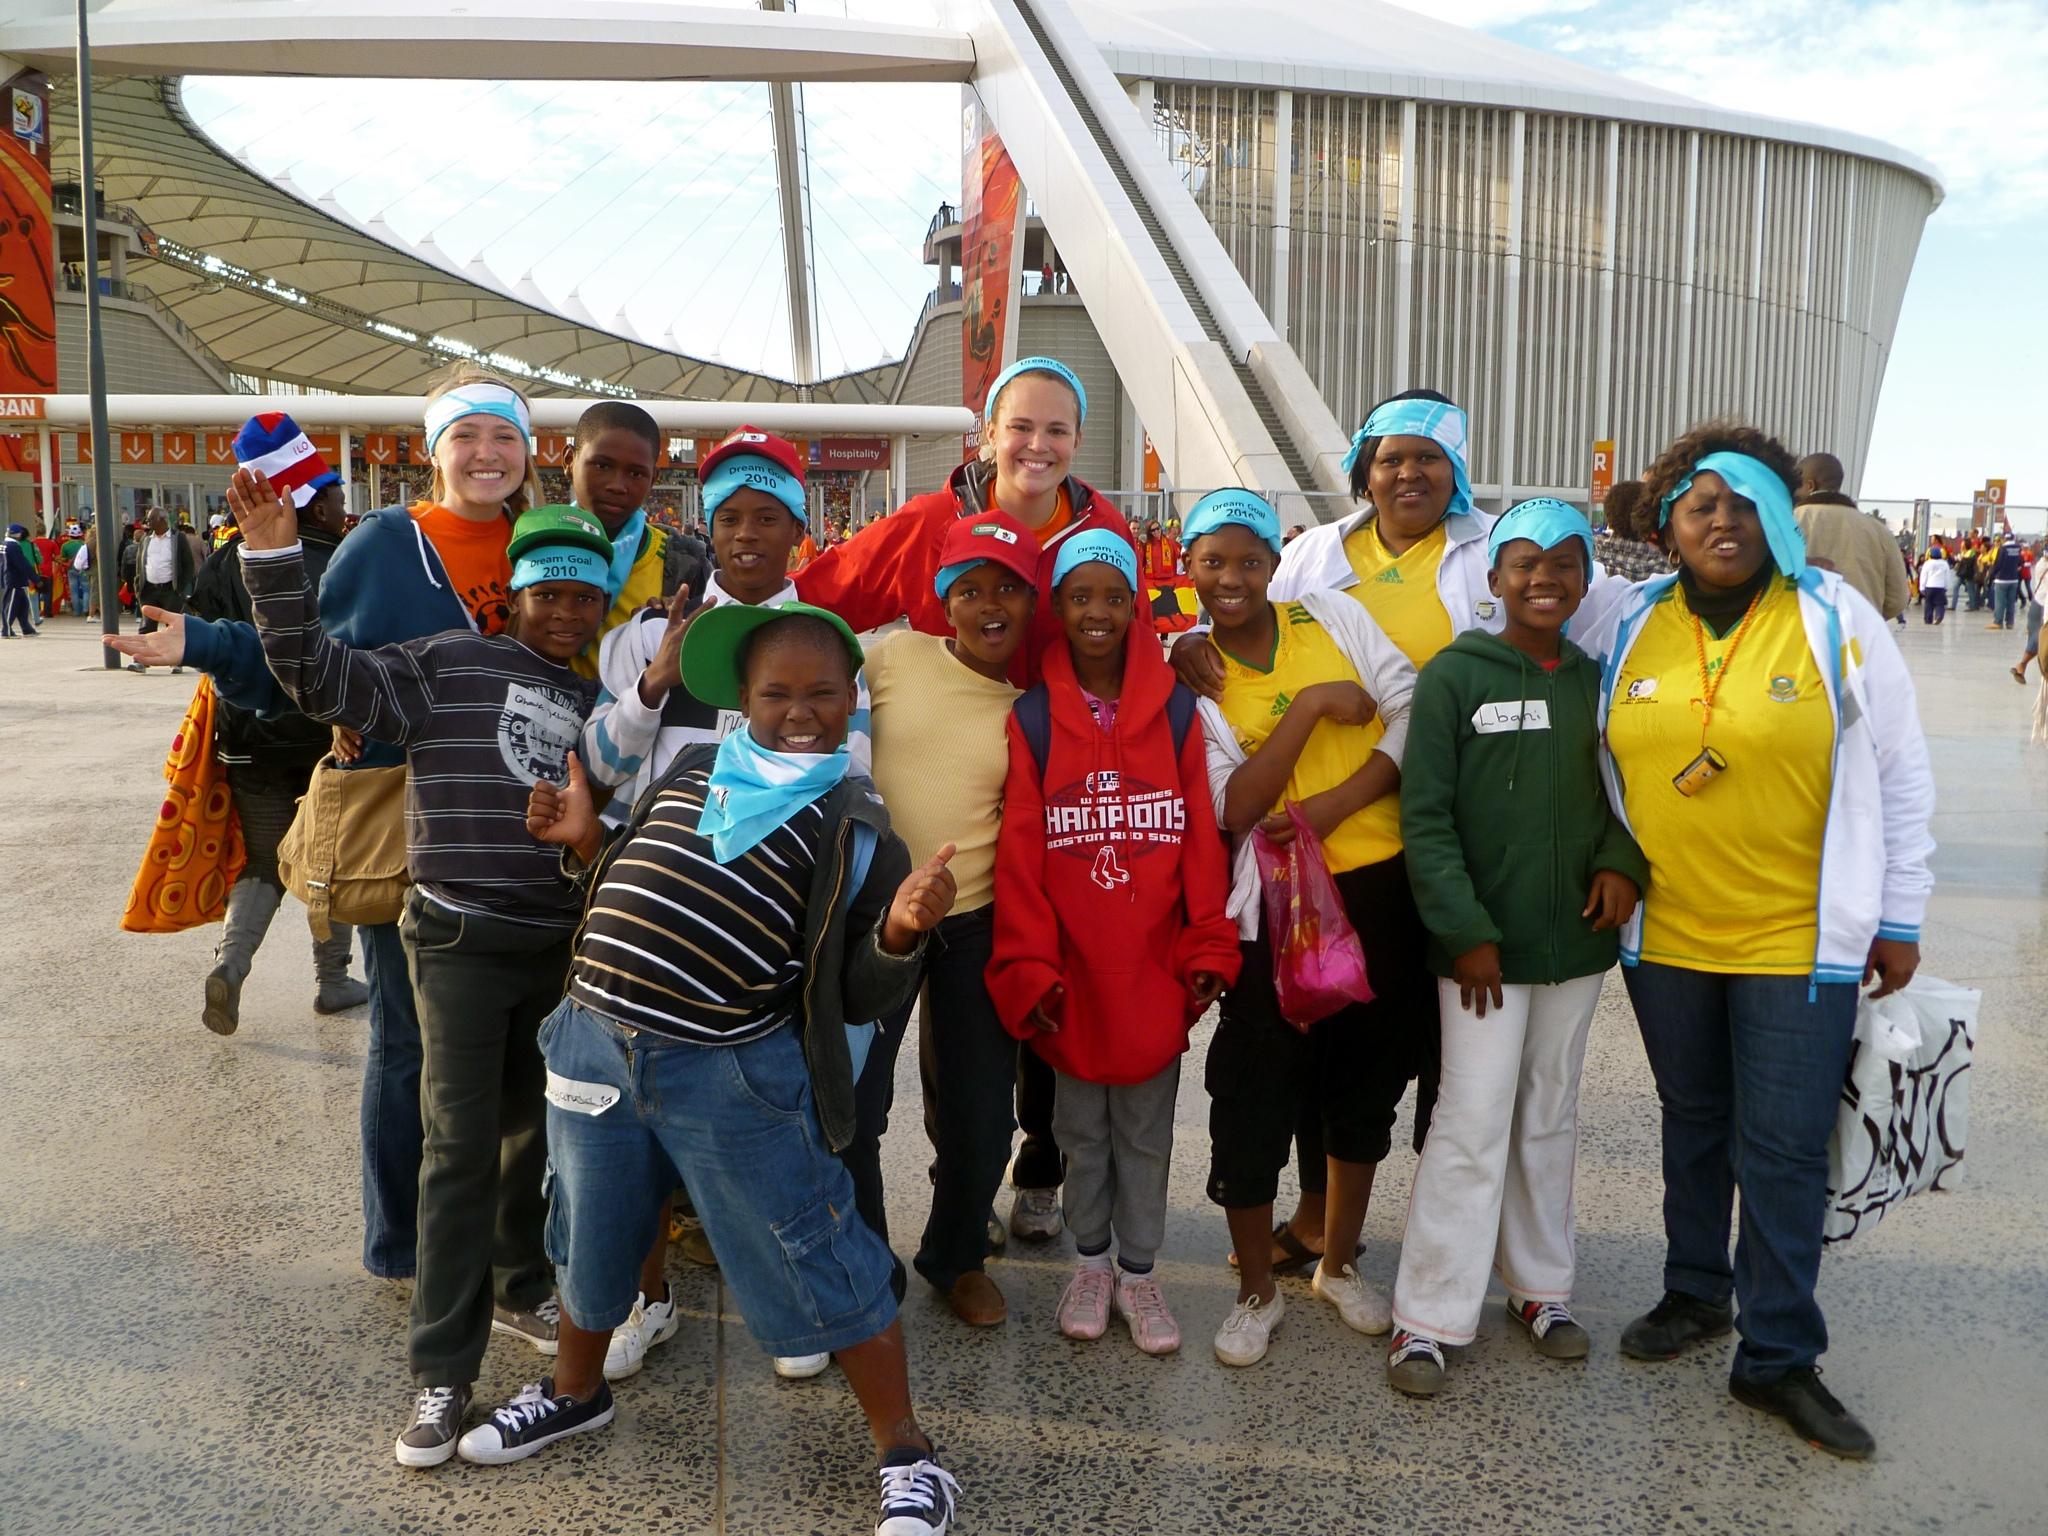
x=266, y=519
x=164, y=648
x=925, y=896
x=665, y=671
x=564, y=814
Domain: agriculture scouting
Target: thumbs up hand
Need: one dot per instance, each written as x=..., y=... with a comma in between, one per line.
x=925, y=896
x=564, y=814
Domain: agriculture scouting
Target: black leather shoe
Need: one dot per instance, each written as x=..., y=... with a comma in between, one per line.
x=1814, y=1413
x=1672, y=1326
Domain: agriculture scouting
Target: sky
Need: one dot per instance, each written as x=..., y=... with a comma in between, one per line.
x=657, y=202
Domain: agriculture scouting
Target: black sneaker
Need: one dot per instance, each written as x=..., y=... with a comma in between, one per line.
x=532, y=1420
x=1672, y=1326
x=1814, y=1413
x=541, y=1327
x=436, y=1424
x=917, y=1494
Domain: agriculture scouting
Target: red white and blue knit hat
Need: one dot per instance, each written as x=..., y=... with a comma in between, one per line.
x=273, y=445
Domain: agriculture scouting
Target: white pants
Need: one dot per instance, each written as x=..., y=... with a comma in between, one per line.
x=1496, y=1172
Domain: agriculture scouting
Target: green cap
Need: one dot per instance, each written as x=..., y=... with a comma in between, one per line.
x=711, y=648
x=556, y=527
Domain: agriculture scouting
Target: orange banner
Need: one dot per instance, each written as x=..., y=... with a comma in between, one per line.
x=380, y=448
x=28, y=279
x=220, y=447
x=328, y=446
x=991, y=196
x=552, y=449
x=416, y=450
x=178, y=447
x=84, y=441
x=138, y=448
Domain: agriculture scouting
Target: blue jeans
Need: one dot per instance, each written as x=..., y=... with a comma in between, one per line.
x=1749, y=1074
x=392, y=1137
x=80, y=596
x=629, y=1111
x=2004, y=596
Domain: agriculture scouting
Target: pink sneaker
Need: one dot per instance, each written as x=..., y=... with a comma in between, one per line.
x=1084, y=1305
x=1143, y=1308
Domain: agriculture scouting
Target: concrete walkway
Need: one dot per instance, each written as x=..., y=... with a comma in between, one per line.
x=190, y=1344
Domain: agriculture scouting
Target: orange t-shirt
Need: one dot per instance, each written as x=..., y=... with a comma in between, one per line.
x=474, y=556
x=1062, y=515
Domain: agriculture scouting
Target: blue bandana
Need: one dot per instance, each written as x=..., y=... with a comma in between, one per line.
x=1245, y=509
x=1758, y=484
x=751, y=470
x=1442, y=424
x=1051, y=365
x=754, y=791
x=1096, y=544
x=1544, y=521
x=443, y=411
x=625, y=550
x=559, y=562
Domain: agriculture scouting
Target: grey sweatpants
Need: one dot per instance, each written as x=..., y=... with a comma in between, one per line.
x=1119, y=1147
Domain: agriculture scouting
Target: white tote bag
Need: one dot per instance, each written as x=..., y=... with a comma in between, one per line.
x=1905, y=1112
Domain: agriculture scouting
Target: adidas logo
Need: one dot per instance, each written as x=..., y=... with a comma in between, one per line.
x=1280, y=703
x=1391, y=575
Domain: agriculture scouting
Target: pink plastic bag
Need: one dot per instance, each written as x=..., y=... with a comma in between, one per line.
x=1318, y=962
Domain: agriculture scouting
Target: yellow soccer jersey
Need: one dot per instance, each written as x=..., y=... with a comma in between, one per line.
x=1399, y=591
x=1735, y=868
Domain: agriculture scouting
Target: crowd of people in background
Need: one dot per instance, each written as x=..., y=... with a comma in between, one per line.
x=686, y=838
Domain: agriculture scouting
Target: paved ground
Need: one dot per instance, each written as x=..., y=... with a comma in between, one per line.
x=189, y=1343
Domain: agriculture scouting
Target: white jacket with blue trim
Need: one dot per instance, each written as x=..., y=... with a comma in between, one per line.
x=1874, y=879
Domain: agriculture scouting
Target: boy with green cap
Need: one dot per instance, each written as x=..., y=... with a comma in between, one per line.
x=489, y=919
x=755, y=901
x=1524, y=879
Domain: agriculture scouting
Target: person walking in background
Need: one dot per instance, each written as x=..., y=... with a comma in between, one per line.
x=1841, y=538
x=77, y=569
x=164, y=572
x=1963, y=577
x=1936, y=577
x=2037, y=609
x=17, y=584
x=2006, y=563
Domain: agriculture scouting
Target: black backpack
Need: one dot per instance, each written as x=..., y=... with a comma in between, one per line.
x=1034, y=718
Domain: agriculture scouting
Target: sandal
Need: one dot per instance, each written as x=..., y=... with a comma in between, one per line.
x=1299, y=1255
x=2019, y=674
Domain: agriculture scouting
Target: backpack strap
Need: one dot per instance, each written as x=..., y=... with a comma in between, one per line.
x=1180, y=715
x=1033, y=710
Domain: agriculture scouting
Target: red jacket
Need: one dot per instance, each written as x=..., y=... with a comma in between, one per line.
x=1110, y=878
x=886, y=570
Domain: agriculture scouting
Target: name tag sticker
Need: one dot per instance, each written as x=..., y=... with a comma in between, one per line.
x=1529, y=715
x=580, y=1098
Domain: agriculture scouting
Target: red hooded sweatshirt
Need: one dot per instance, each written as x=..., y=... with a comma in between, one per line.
x=1110, y=878
x=886, y=570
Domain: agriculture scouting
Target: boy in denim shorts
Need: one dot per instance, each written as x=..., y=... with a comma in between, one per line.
x=754, y=902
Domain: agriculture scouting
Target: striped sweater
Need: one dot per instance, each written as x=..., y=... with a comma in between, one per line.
x=482, y=720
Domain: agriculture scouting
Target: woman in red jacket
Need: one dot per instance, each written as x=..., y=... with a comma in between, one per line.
x=1031, y=430
x=1110, y=933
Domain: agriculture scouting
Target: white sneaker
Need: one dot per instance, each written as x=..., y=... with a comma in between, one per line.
x=800, y=1367
x=1357, y=1303
x=650, y=1323
x=1035, y=1215
x=1244, y=1335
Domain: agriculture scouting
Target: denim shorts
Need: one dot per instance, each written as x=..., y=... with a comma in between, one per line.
x=629, y=1111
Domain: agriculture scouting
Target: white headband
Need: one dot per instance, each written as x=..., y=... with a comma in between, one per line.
x=476, y=400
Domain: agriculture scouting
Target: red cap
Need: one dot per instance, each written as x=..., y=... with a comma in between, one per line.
x=752, y=440
x=993, y=536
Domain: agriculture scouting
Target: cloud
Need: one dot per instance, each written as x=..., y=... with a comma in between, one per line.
x=1957, y=82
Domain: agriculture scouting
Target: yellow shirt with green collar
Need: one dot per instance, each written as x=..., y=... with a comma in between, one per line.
x=1735, y=868
x=1254, y=700
x=1399, y=591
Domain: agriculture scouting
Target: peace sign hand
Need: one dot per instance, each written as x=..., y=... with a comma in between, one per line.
x=266, y=519
x=665, y=671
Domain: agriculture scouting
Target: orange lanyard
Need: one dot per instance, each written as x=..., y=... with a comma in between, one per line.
x=1710, y=687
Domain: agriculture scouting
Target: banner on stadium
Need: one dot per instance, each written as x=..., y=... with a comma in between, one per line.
x=380, y=448
x=178, y=448
x=135, y=447
x=991, y=254
x=220, y=447
x=551, y=449
x=28, y=275
x=851, y=453
x=1603, y=471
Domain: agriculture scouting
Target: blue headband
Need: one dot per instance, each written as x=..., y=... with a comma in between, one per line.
x=753, y=472
x=1243, y=508
x=1545, y=522
x=1442, y=424
x=1051, y=365
x=1758, y=484
x=443, y=411
x=560, y=562
x=1096, y=544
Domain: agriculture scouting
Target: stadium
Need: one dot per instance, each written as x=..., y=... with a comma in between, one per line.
x=1385, y=201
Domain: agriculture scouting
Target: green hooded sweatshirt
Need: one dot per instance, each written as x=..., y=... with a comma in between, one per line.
x=1503, y=817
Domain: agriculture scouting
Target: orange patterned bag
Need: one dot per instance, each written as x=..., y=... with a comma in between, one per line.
x=195, y=850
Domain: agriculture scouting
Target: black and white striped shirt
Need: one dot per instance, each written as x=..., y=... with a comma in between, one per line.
x=686, y=947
